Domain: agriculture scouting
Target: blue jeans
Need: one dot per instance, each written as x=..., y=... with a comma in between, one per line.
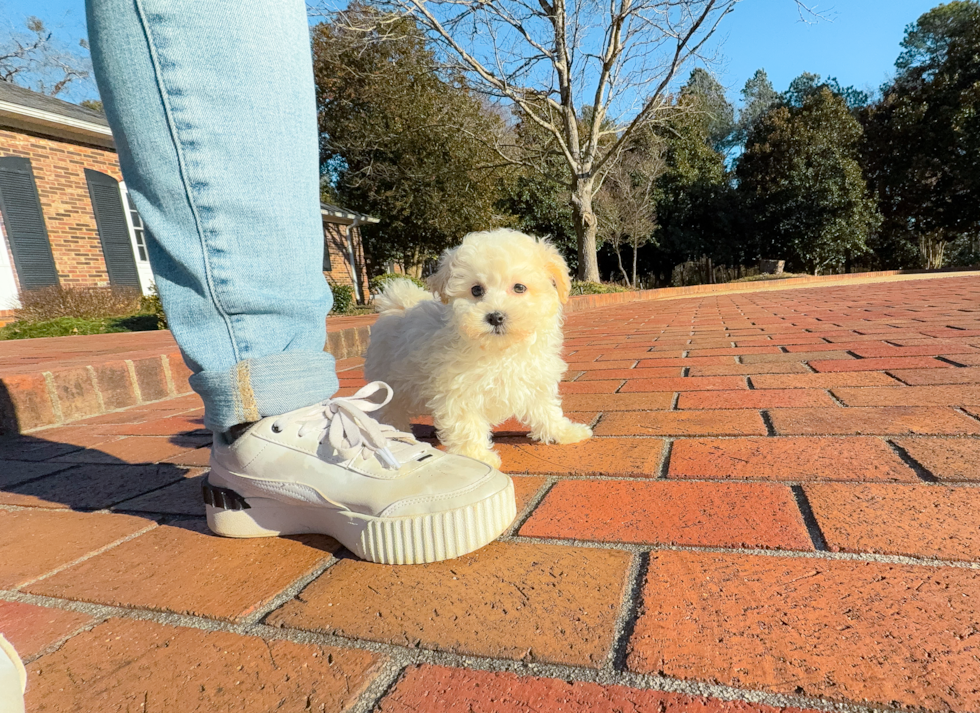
x=213, y=110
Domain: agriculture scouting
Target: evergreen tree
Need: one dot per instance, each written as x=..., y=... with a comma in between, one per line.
x=693, y=212
x=716, y=112
x=392, y=146
x=922, y=146
x=758, y=97
x=808, y=84
x=802, y=186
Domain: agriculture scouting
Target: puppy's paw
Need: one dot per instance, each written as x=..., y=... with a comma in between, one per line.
x=484, y=455
x=568, y=432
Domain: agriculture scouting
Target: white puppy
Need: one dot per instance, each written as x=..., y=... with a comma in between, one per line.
x=489, y=350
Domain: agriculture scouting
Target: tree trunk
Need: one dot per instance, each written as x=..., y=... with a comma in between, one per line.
x=585, y=230
x=634, y=265
x=619, y=259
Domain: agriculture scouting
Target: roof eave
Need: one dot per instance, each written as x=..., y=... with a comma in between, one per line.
x=348, y=217
x=49, y=123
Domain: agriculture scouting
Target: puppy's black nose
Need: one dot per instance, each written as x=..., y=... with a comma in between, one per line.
x=495, y=318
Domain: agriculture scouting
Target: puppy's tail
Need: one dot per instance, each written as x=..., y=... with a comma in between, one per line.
x=398, y=296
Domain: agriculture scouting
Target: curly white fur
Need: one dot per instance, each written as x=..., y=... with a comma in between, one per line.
x=446, y=358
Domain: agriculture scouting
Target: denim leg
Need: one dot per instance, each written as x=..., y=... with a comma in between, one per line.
x=213, y=110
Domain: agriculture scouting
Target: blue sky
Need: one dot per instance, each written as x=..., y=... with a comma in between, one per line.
x=858, y=43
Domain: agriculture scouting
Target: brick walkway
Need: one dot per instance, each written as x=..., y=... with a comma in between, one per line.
x=779, y=511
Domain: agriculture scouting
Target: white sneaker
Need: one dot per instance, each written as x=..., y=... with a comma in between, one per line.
x=333, y=469
x=13, y=679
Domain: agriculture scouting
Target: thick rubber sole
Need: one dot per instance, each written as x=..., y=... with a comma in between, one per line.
x=386, y=540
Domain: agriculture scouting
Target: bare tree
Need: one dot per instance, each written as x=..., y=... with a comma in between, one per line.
x=588, y=73
x=36, y=60
x=625, y=204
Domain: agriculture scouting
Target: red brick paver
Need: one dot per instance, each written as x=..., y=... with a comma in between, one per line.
x=561, y=601
x=787, y=459
x=126, y=665
x=917, y=520
x=778, y=508
x=182, y=568
x=453, y=690
x=714, y=515
x=31, y=628
x=37, y=542
x=868, y=632
x=946, y=459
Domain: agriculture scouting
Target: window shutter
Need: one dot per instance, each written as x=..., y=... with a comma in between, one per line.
x=327, y=235
x=110, y=217
x=24, y=224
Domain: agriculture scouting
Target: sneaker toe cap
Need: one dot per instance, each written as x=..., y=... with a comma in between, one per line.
x=467, y=491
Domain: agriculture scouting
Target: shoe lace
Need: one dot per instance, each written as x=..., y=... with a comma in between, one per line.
x=348, y=428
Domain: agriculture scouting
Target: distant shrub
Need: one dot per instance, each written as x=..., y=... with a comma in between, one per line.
x=54, y=302
x=343, y=299
x=762, y=277
x=377, y=283
x=595, y=288
x=151, y=305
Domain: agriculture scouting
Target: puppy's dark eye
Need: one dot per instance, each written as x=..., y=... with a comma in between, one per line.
x=477, y=291
x=519, y=288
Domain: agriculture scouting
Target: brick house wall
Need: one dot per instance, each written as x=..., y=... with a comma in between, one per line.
x=337, y=248
x=61, y=141
x=59, y=173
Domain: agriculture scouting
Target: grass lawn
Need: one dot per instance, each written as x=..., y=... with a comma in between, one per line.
x=68, y=326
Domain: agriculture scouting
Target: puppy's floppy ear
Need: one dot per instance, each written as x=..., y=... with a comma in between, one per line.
x=439, y=282
x=558, y=270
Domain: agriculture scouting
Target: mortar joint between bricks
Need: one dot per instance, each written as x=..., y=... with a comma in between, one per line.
x=767, y=420
x=168, y=376
x=809, y=519
x=920, y=470
x=131, y=368
x=53, y=397
x=950, y=362
x=664, y=467
x=383, y=683
x=93, y=377
x=291, y=592
x=966, y=413
x=629, y=613
x=532, y=505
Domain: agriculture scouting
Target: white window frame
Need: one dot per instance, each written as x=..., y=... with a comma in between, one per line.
x=9, y=285
x=143, y=268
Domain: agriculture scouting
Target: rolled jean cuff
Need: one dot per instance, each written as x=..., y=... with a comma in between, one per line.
x=267, y=386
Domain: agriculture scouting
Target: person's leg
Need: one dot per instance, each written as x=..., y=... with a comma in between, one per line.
x=213, y=110
x=212, y=106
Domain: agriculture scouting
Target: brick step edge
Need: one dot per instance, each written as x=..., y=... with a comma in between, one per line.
x=579, y=303
x=51, y=398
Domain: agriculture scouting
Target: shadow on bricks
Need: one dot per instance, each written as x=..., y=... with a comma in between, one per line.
x=125, y=467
